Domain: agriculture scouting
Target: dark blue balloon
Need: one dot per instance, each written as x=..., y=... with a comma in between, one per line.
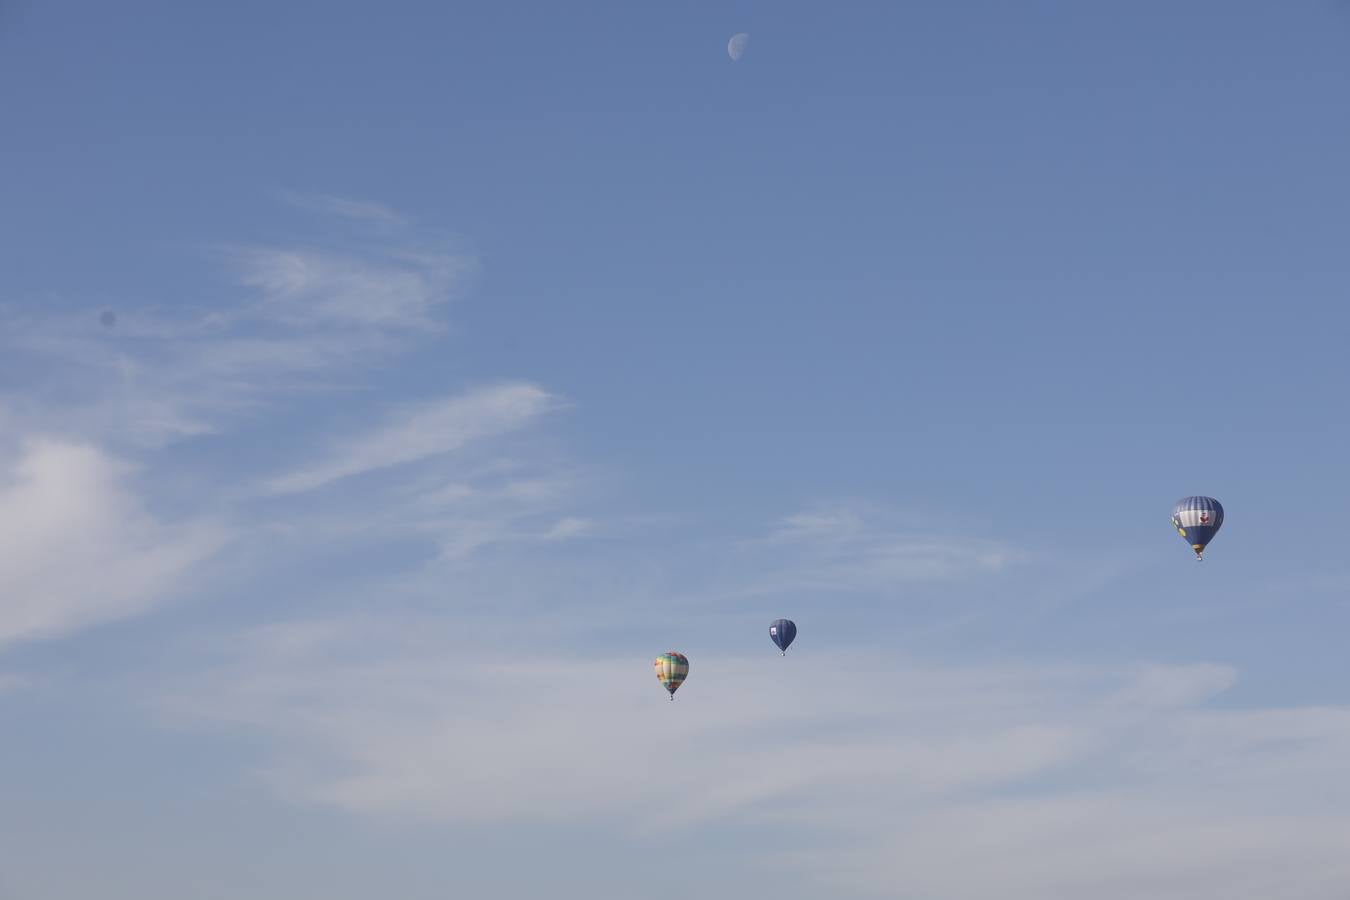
x=781, y=632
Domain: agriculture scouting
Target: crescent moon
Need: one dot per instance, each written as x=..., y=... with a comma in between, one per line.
x=736, y=46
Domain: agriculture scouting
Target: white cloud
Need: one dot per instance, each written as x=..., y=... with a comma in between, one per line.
x=568, y=527
x=303, y=318
x=858, y=550
x=304, y=287
x=1113, y=845
x=1173, y=686
x=365, y=211
x=425, y=431
x=80, y=548
x=832, y=525
x=1046, y=776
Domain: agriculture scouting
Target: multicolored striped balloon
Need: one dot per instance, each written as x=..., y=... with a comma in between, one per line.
x=671, y=670
x=1197, y=519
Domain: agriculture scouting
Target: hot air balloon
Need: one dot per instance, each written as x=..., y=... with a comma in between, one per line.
x=671, y=670
x=1197, y=519
x=781, y=632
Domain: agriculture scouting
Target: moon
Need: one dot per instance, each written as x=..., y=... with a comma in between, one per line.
x=736, y=46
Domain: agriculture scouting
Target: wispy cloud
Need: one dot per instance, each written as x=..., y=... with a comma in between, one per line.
x=1061, y=780
x=399, y=289
x=496, y=505
x=425, y=431
x=80, y=548
x=568, y=527
x=374, y=695
x=1162, y=687
x=301, y=318
x=376, y=214
x=854, y=549
x=1164, y=841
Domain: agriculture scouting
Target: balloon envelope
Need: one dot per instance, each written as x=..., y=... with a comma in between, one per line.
x=782, y=632
x=671, y=670
x=1197, y=520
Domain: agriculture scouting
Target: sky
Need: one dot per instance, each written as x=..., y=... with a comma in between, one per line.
x=384, y=386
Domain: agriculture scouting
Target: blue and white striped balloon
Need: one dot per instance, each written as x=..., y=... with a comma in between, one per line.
x=1198, y=520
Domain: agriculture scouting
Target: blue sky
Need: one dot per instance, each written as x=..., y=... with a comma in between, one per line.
x=464, y=357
